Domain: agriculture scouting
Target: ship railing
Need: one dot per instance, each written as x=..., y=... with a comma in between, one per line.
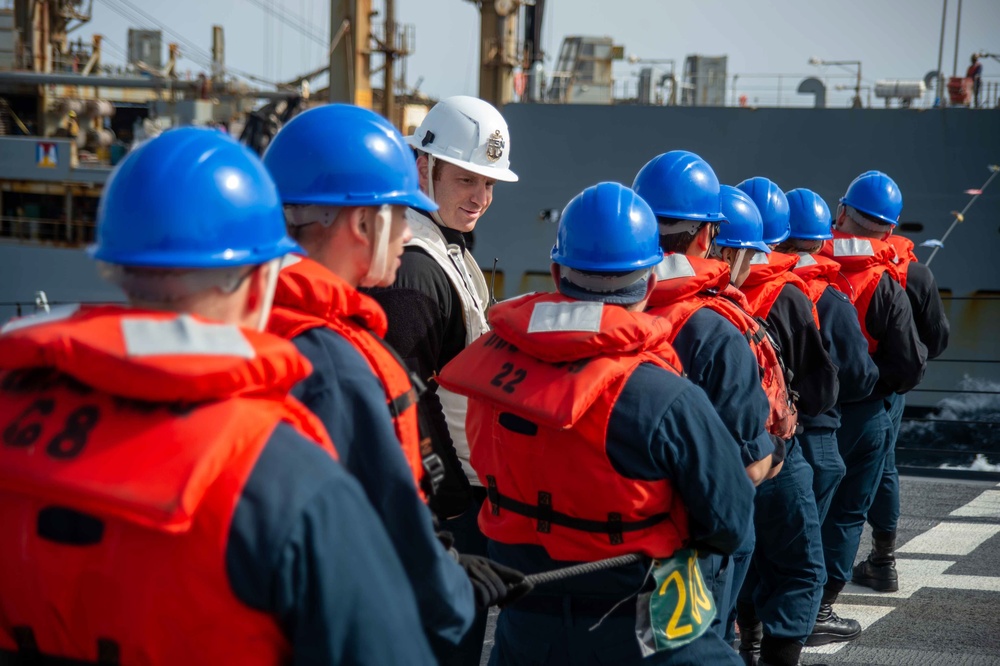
x=47, y=230
x=779, y=91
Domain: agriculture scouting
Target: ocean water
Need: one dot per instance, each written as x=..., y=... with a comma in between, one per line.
x=961, y=432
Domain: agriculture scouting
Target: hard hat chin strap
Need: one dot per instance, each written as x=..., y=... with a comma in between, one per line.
x=380, y=248
x=743, y=257
x=273, y=268
x=430, y=188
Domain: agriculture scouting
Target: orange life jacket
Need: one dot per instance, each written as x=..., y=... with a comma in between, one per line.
x=687, y=284
x=541, y=389
x=768, y=276
x=149, y=424
x=818, y=273
x=310, y=296
x=862, y=263
x=903, y=247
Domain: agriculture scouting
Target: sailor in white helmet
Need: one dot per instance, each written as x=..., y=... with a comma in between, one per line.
x=437, y=305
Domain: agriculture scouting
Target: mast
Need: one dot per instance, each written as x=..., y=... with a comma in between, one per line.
x=350, y=57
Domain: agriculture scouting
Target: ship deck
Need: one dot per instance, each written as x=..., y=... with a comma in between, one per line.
x=947, y=610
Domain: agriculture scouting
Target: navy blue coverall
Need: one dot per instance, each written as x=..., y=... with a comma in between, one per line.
x=785, y=580
x=933, y=329
x=351, y=403
x=716, y=357
x=305, y=546
x=662, y=427
x=856, y=373
x=865, y=433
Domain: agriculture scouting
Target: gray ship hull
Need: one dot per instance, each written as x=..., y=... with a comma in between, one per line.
x=934, y=155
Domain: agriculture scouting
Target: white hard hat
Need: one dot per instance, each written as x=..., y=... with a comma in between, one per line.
x=467, y=132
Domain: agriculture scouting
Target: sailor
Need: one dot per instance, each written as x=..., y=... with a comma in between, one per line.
x=346, y=178
x=809, y=225
x=878, y=570
x=437, y=304
x=592, y=445
x=710, y=332
x=170, y=501
x=780, y=596
x=869, y=277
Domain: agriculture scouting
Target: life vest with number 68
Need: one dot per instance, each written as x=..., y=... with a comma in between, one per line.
x=541, y=390
x=126, y=438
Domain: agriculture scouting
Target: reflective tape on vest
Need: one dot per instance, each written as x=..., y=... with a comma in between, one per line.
x=805, y=260
x=183, y=336
x=578, y=316
x=760, y=258
x=853, y=247
x=674, y=266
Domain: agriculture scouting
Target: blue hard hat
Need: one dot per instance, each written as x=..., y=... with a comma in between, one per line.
x=607, y=228
x=808, y=215
x=343, y=155
x=773, y=207
x=875, y=194
x=745, y=228
x=190, y=198
x=680, y=185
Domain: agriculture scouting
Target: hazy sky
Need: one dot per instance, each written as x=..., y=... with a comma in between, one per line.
x=892, y=38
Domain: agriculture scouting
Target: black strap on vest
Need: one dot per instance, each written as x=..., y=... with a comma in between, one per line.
x=545, y=516
x=28, y=654
x=434, y=469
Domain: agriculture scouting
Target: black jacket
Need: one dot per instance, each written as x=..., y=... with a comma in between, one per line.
x=928, y=310
x=901, y=357
x=814, y=376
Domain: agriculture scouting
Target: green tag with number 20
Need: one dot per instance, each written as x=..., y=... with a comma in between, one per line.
x=679, y=609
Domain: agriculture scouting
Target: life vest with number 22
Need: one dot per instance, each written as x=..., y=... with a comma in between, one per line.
x=541, y=390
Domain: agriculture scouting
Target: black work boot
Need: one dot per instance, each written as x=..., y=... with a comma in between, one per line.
x=779, y=651
x=751, y=632
x=879, y=571
x=830, y=627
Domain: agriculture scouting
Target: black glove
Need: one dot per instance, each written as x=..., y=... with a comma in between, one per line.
x=493, y=584
x=447, y=539
x=779, y=450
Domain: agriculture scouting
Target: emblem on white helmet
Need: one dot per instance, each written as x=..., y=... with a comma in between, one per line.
x=494, y=146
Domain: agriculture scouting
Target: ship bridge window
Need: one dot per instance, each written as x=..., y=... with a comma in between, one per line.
x=536, y=281
x=911, y=227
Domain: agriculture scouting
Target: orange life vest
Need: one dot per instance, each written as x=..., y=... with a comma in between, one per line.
x=768, y=276
x=541, y=389
x=862, y=263
x=903, y=247
x=310, y=296
x=149, y=425
x=818, y=273
x=687, y=284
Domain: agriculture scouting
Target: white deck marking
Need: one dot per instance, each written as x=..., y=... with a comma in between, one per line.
x=950, y=539
x=986, y=505
x=866, y=615
x=913, y=575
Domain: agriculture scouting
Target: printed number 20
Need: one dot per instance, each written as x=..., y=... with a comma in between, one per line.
x=699, y=599
x=506, y=370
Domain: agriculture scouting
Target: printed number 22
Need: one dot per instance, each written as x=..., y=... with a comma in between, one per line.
x=506, y=370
